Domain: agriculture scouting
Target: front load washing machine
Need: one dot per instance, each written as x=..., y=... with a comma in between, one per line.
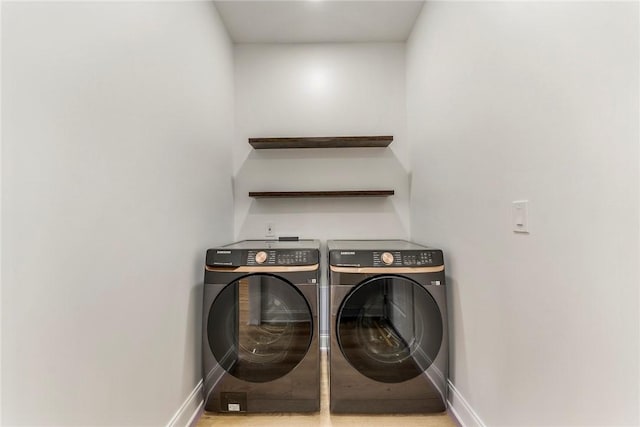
x=388, y=350
x=260, y=349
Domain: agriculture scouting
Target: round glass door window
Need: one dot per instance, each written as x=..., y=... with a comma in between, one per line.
x=389, y=328
x=259, y=328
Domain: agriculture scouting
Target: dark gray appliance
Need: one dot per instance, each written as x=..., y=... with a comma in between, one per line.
x=388, y=351
x=260, y=349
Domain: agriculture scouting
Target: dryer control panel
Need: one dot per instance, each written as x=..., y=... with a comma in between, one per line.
x=281, y=257
x=382, y=258
x=265, y=257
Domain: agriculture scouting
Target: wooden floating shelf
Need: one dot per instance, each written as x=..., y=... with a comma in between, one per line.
x=353, y=193
x=321, y=142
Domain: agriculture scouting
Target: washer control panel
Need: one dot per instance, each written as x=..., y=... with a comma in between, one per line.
x=419, y=258
x=382, y=258
x=264, y=257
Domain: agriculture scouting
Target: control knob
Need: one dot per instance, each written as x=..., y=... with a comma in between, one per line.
x=387, y=258
x=261, y=257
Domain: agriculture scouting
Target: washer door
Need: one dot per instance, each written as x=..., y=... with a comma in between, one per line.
x=389, y=328
x=259, y=327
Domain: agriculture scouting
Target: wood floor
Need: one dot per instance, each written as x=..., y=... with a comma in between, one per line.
x=324, y=418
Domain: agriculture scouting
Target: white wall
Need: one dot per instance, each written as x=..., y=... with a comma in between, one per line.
x=116, y=172
x=1, y=275
x=321, y=90
x=536, y=101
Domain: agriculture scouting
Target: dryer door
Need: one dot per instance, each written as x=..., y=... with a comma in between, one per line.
x=389, y=328
x=259, y=327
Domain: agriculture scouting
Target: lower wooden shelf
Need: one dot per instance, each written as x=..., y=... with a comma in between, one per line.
x=322, y=142
x=350, y=193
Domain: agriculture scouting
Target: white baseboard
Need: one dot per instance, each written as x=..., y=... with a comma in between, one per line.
x=461, y=409
x=190, y=410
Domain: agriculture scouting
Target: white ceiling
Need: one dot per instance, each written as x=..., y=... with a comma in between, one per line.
x=318, y=21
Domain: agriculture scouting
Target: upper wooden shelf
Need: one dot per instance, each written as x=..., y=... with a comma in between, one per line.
x=321, y=142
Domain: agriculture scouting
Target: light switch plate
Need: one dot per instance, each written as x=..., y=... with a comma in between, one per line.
x=520, y=216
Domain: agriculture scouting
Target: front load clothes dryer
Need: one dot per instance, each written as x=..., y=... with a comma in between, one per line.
x=388, y=350
x=260, y=348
